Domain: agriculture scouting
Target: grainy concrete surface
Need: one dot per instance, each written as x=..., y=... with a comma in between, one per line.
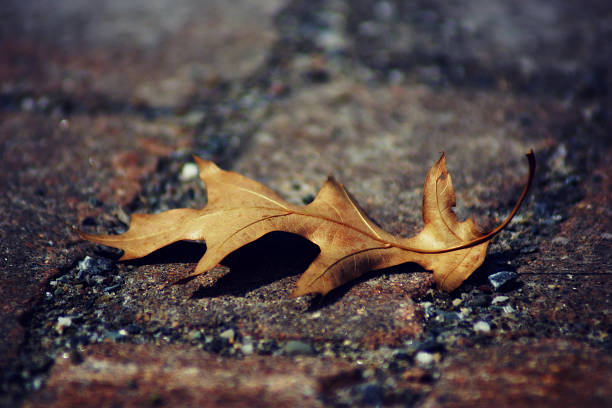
x=102, y=106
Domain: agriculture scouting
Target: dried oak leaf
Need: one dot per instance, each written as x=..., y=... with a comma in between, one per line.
x=241, y=210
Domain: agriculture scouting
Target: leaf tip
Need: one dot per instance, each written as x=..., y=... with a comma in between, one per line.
x=301, y=291
x=206, y=167
x=88, y=237
x=438, y=170
x=442, y=159
x=200, y=161
x=531, y=159
x=100, y=240
x=332, y=180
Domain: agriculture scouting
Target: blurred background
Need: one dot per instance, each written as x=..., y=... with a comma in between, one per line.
x=103, y=104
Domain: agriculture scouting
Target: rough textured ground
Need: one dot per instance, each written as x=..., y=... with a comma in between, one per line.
x=102, y=106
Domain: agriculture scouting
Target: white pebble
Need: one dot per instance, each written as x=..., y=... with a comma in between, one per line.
x=426, y=305
x=188, y=172
x=499, y=299
x=482, y=326
x=424, y=358
x=62, y=323
x=508, y=309
x=247, y=349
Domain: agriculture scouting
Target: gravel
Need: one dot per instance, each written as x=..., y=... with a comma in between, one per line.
x=502, y=279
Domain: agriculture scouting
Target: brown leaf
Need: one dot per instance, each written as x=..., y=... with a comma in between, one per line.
x=240, y=211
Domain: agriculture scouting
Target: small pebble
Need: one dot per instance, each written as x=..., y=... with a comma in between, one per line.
x=560, y=241
x=115, y=335
x=384, y=10
x=295, y=347
x=228, y=335
x=307, y=199
x=368, y=373
x=195, y=335
x=62, y=323
x=447, y=316
x=502, y=278
x=122, y=216
x=95, y=280
x=315, y=315
x=247, y=349
x=188, y=172
x=63, y=279
x=482, y=327
x=424, y=358
x=529, y=249
x=499, y=299
x=111, y=288
x=465, y=311
x=508, y=309
x=94, y=266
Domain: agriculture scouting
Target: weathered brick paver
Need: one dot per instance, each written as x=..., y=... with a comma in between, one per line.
x=102, y=106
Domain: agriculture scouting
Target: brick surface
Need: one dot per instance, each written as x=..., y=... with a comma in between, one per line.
x=135, y=376
x=102, y=106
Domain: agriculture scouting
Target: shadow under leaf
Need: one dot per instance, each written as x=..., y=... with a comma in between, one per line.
x=178, y=252
x=272, y=257
x=278, y=255
x=494, y=262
